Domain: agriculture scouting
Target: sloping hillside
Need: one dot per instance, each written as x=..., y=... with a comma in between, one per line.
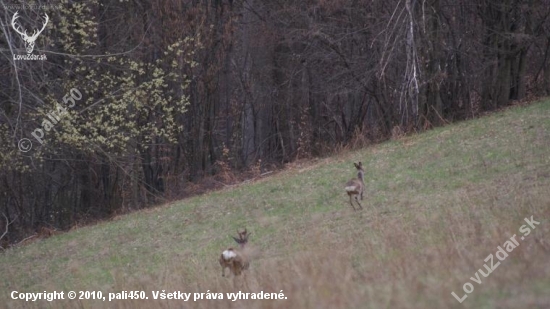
x=436, y=206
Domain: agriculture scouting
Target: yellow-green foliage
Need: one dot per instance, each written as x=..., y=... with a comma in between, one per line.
x=132, y=105
x=129, y=101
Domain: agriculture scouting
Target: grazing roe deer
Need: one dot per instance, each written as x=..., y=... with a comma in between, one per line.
x=235, y=259
x=356, y=186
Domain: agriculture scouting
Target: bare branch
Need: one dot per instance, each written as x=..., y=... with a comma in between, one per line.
x=7, y=225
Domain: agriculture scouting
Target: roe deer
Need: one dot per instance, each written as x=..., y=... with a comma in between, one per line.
x=356, y=186
x=234, y=259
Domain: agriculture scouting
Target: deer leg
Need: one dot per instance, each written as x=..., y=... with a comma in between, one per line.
x=351, y=203
x=237, y=271
x=357, y=199
x=223, y=271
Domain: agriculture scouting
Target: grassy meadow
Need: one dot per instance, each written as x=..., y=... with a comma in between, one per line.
x=436, y=205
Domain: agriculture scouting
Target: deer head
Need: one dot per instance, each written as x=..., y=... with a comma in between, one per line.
x=29, y=40
x=243, y=237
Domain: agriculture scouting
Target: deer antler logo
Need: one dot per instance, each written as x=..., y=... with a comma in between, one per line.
x=29, y=40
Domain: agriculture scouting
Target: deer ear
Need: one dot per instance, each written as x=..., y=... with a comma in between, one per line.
x=360, y=164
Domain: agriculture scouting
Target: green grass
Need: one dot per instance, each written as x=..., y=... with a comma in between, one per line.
x=436, y=205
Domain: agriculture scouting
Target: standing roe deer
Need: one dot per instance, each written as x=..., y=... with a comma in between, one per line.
x=235, y=259
x=356, y=186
